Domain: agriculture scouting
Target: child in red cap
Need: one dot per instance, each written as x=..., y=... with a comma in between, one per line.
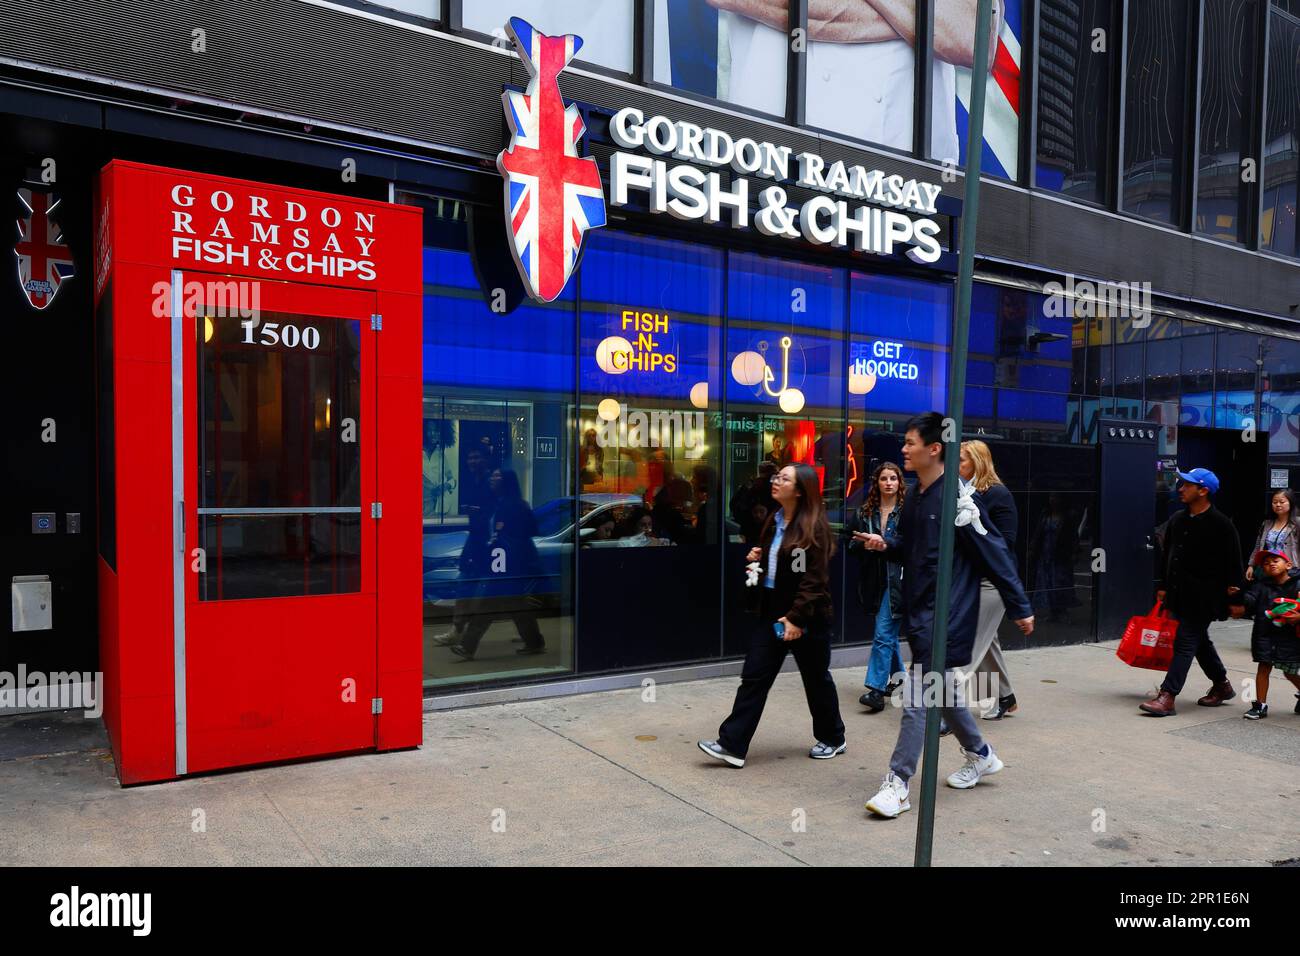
x=1273, y=640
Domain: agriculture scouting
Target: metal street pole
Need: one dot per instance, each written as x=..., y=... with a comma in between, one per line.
x=953, y=427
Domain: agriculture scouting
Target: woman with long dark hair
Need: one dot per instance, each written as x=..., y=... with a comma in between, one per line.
x=880, y=582
x=1279, y=532
x=795, y=612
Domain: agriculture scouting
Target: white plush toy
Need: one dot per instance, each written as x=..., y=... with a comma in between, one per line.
x=967, y=511
x=751, y=573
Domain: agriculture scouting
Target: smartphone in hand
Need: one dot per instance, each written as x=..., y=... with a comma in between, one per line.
x=779, y=627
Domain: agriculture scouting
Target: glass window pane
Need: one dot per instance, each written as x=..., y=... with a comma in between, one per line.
x=499, y=517
x=650, y=451
x=430, y=9
x=1164, y=365
x=898, y=347
x=785, y=379
x=1074, y=89
x=271, y=411
x=1021, y=415
x=1025, y=346
x=1280, y=396
x=1281, y=167
x=1198, y=376
x=259, y=556
x=1229, y=62
x=1155, y=118
x=862, y=78
x=604, y=25
x=1235, y=379
x=279, y=418
x=1099, y=333
x=954, y=52
x=1128, y=370
x=734, y=57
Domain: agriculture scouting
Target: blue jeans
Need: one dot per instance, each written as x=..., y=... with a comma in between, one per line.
x=884, y=662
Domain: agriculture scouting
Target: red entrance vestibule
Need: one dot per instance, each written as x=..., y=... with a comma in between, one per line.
x=260, y=396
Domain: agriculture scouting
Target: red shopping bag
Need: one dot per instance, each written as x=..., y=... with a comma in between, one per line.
x=1149, y=640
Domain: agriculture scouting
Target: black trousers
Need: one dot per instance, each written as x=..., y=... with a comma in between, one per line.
x=812, y=653
x=1193, y=641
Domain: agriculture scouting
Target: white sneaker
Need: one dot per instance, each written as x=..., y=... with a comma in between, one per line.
x=892, y=798
x=975, y=768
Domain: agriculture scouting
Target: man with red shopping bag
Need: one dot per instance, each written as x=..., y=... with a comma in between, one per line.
x=1199, y=570
x=1149, y=640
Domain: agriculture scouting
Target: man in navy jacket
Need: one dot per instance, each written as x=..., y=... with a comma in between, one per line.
x=976, y=555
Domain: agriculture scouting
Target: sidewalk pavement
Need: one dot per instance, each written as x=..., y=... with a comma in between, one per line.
x=609, y=778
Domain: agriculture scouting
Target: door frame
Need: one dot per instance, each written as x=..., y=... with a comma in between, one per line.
x=184, y=408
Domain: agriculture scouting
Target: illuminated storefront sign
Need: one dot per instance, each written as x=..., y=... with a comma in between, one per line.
x=751, y=368
x=616, y=354
x=686, y=191
x=44, y=260
x=553, y=195
x=885, y=363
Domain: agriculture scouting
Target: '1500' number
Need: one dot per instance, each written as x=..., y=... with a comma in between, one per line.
x=273, y=333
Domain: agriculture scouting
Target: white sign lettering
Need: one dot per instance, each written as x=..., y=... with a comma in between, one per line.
x=898, y=214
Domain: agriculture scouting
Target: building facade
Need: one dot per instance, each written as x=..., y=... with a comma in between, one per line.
x=1137, y=266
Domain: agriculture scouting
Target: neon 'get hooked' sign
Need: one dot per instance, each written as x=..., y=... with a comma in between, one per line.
x=885, y=362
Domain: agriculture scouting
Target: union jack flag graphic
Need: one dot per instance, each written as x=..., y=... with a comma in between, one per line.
x=1002, y=103
x=43, y=259
x=552, y=194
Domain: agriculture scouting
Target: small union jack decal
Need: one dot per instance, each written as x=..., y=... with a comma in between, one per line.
x=552, y=195
x=43, y=259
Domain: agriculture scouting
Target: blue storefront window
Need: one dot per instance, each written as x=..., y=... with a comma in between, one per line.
x=898, y=345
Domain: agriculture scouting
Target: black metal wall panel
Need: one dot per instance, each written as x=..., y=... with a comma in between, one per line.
x=331, y=66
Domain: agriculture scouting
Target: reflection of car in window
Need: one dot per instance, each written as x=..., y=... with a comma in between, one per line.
x=554, y=542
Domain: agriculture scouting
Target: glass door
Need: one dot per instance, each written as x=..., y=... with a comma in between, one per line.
x=278, y=414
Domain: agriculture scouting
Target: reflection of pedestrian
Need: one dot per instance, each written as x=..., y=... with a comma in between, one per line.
x=986, y=656
x=591, y=459
x=751, y=505
x=671, y=506
x=795, y=612
x=476, y=502
x=1051, y=558
x=702, y=481
x=1201, y=566
x=512, y=560
x=880, y=581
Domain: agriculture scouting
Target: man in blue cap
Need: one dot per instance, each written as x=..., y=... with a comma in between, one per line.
x=1199, y=570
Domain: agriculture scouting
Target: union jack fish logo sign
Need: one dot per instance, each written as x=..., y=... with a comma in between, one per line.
x=553, y=195
x=43, y=259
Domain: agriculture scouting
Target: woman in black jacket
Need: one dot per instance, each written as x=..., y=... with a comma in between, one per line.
x=880, y=582
x=794, y=615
